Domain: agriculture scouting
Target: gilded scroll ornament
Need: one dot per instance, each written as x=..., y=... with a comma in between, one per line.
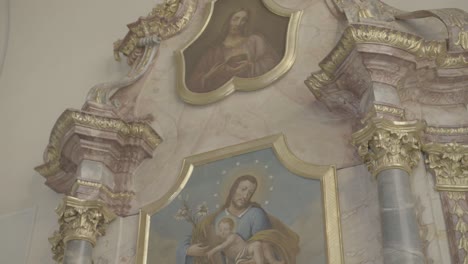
x=385, y=144
x=165, y=21
x=449, y=163
x=71, y=118
x=79, y=220
x=141, y=45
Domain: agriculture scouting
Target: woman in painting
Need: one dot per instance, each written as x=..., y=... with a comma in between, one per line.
x=237, y=53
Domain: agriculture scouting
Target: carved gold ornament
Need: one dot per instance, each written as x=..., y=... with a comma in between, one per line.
x=79, y=220
x=141, y=45
x=165, y=21
x=70, y=118
x=385, y=144
x=449, y=163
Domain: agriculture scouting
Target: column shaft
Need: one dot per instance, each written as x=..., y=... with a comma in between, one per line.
x=400, y=232
x=78, y=252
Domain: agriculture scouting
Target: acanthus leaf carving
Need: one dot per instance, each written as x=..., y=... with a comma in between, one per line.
x=449, y=163
x=79, y=220
x=385, y=144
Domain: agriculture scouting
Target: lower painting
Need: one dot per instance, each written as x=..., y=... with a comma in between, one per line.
x=253, y=203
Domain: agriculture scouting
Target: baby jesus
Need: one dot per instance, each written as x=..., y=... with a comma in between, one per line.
x=235, y=248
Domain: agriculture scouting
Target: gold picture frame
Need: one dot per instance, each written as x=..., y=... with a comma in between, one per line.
x=237, y=83
x=276, y=144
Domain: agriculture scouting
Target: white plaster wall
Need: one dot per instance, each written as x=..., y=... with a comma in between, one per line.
x=4, y=30
x=57, y=50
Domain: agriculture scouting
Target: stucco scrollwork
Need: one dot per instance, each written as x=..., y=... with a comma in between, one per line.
x=141, y=45
x=79, y=220
x=385, y=144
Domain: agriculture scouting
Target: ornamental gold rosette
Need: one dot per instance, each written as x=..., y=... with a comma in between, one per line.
x=384, y=144
x=449, y=163
x=79, y=220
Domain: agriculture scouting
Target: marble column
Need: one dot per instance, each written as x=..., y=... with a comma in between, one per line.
x=391, y=149
x=78, y=252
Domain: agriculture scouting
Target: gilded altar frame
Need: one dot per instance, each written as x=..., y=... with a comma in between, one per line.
x=236, y=83
x=277, y=143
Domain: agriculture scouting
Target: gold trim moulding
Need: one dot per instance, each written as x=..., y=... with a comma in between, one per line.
x=326, y=175
x=378, y=109
x=71, y=118
x=86, y=204
x=447, y=130
x=359, y=34
x=104, y=188
x=452, y=188
x=236, y=83
x=394, y=126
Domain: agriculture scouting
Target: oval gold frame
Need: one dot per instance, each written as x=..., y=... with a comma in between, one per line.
x=326, y=175
x=236, y=83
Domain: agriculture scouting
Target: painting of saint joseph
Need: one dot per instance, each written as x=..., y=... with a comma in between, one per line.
x=241, y=210
x=240, y=232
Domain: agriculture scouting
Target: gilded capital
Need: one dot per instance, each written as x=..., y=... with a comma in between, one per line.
x=385, y=144
x=79, y=220
x=449, y=164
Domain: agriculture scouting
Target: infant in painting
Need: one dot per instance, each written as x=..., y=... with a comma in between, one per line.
x=242, y=252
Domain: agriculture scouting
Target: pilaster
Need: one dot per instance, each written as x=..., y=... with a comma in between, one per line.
x=448, y=162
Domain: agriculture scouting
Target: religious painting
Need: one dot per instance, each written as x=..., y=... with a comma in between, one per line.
x=253, y=203
x=244, y=45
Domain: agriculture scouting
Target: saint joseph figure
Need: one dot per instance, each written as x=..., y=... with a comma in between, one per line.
x=252, y=224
